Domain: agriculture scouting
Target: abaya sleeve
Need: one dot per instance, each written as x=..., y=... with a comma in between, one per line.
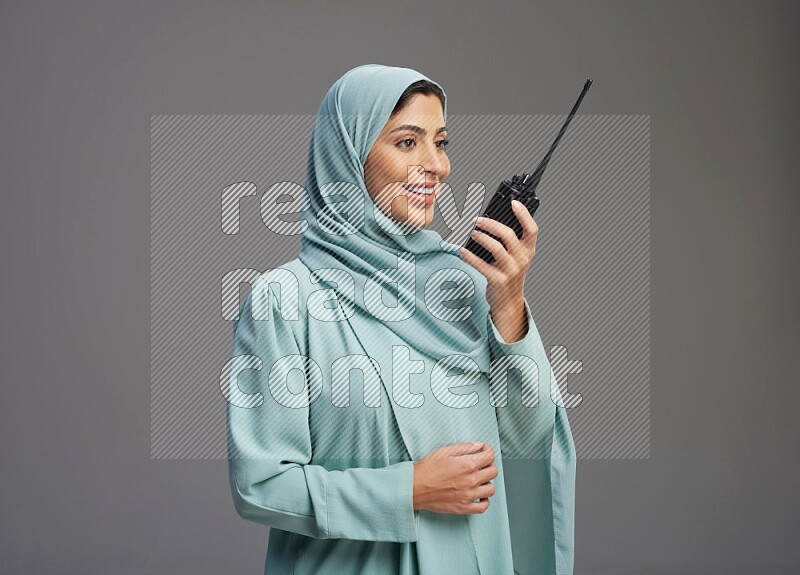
x=538, y=459
x=271, y=478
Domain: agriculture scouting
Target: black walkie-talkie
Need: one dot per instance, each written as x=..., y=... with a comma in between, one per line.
x=522, y=188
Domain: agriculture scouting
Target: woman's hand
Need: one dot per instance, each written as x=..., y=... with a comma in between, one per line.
x=451, y=478
x=506, y=275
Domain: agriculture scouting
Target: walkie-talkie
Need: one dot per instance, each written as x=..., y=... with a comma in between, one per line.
x=521, y=188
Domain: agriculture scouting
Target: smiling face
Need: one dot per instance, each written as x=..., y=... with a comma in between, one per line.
x=408, y=162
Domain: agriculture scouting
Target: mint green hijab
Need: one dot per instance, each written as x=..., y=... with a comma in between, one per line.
x=354, y=236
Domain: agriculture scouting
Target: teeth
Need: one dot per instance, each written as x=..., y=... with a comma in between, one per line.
x=418, y=190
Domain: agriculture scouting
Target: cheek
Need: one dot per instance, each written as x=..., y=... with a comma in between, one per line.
x=386, y=169
x=376, y=180
x=395, y=168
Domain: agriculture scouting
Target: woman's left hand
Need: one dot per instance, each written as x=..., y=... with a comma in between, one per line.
x=506, y=275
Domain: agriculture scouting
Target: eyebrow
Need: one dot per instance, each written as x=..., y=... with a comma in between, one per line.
x=416, y=129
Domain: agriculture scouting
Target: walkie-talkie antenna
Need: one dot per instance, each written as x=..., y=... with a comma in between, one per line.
x=521, y=188
x=529, y=182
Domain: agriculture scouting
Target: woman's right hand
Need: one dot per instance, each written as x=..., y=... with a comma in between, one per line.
x=449, y=479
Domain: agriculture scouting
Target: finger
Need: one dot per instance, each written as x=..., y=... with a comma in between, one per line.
x=477, y=506
x=483, y=491
x=488, y=456
x=486, y=474
x=497, y=249
x=530, y=228
x=486, y=269
x=507, y=236
x=483, y=458
x=458, y=449
x=487, y=448
x=464, y=448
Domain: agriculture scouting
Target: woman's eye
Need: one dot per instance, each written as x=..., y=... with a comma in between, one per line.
x=411, y=142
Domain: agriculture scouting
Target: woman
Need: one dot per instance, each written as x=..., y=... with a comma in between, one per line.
x=395, y=472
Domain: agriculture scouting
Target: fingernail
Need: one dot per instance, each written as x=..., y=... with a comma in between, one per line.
x=515, y=204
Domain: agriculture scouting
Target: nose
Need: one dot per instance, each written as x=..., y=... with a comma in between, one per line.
x=432, y=166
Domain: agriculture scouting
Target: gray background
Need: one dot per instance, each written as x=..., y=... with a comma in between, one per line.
x=80, y=493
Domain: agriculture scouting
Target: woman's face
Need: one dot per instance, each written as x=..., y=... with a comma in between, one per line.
x=413, y=138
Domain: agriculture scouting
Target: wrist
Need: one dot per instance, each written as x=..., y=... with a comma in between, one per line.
x=510, y=319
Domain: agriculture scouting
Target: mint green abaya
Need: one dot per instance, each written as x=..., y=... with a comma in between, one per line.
x=331, y=472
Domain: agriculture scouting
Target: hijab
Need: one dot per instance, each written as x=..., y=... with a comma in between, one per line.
x=353, y=235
